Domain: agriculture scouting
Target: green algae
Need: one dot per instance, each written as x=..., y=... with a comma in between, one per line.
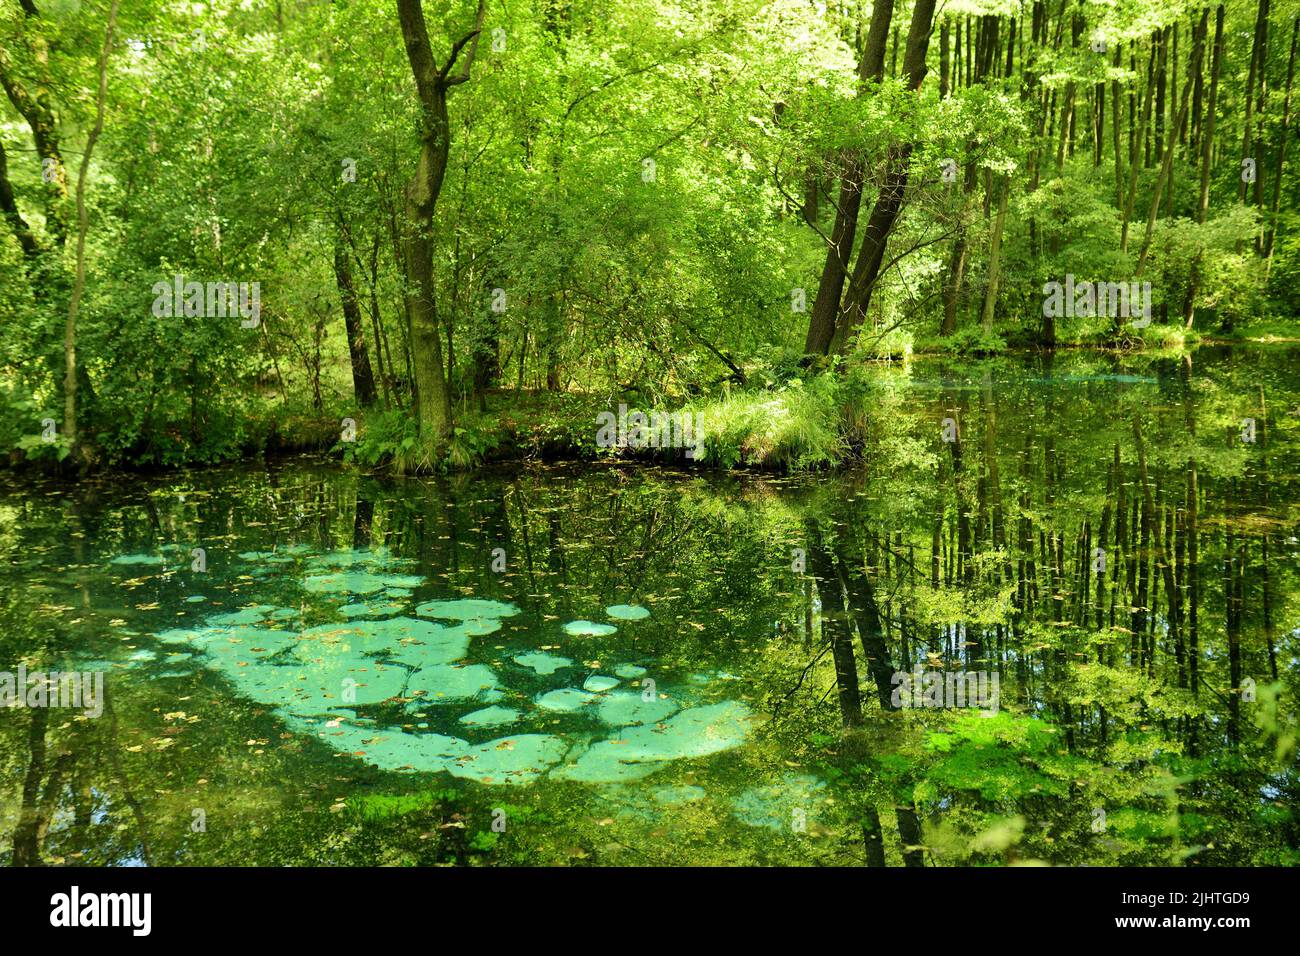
x=673, y=795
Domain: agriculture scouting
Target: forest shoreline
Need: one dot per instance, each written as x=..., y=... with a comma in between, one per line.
x=527, y=426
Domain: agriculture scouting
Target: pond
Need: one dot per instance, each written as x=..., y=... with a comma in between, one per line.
x=621, y=664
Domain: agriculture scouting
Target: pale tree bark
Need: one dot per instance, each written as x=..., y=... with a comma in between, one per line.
x=79, y=280
x=995, y=259
x=432, y=83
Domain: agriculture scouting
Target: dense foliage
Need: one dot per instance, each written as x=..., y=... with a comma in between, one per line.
x=451, y=206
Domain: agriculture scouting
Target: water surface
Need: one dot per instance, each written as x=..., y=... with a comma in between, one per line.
x=629, y=665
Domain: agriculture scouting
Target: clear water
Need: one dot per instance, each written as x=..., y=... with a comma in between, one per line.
x=576, y=664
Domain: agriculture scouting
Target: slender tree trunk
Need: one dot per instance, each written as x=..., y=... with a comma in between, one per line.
x=79, y=281
x=1207, y=154
x=1281, y=151
x=363, y=379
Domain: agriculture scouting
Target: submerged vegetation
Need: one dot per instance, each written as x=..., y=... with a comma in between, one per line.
x=599, y=664
x=731, y=432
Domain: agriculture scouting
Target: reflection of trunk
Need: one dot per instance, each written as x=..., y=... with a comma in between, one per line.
x=835, y=622
x=909, y=830
x=866, y=613
x=1193, y=580
x=361, y=523
x=872, y=837
x=1233, y=568
x=37, y=807
x=1162, y=558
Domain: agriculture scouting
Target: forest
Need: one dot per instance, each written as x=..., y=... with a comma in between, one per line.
x=611, y=432
x=467, y=229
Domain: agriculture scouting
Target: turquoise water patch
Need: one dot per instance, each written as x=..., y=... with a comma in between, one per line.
x=144, y=559
x=491, y=717
x=248, y=615
x=588, y=629
x=565, y=700
x=783, y=805
x=466, y=609
x=370, y=609
x=630, y=671
x=696, y=732
x=446, y=682
x=627, y=708
x=541, y=662
x=357, y=582
x=409, y=640
x=598, y=683
x=627, y=612
x=510, y=760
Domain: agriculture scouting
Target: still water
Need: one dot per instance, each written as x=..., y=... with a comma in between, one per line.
x=616, y=664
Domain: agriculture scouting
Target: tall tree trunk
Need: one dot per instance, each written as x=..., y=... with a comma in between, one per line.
x=1281, y=151
x=433, y=83
x=1167, y=162
x=1207, y=154
x=995, y=259
x=363, y=379
x=889, y=202
x=79, y=282
x=821, y=323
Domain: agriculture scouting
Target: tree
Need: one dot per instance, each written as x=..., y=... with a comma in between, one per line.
x=433, y=83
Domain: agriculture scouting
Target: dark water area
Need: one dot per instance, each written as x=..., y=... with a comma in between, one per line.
x=566, y=664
